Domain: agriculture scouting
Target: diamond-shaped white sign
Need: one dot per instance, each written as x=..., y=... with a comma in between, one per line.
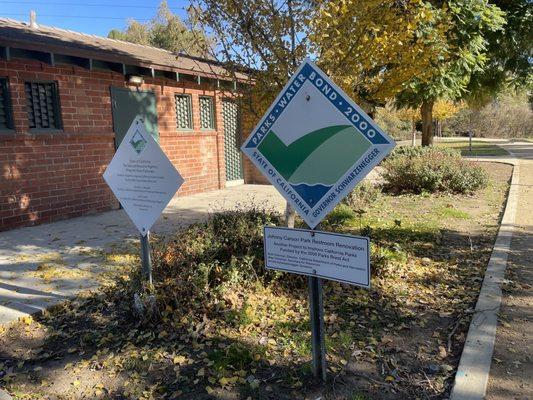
x=142, y=177
x=314, y=144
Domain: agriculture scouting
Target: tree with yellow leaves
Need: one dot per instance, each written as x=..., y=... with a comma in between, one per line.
x=372, y=47
x=443, y=110
x=464, y=55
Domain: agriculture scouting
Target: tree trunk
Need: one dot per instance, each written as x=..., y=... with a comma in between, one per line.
x=290, y=215
x=426, y=112
x=413, y=141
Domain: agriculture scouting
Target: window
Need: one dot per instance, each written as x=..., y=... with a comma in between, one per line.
x=6, y=118
x=183, y=111
x=42, y=102
x=207, y=113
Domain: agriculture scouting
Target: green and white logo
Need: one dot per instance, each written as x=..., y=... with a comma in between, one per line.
x=138, y=142
x=315, y=144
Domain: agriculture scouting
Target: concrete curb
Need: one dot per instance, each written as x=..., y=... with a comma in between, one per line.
x=472, y=374
x=4, y=395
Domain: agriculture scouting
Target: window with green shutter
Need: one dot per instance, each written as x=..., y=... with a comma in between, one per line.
x=6, y=117
x=207, y=113
x=42, y=103
x=183, y=111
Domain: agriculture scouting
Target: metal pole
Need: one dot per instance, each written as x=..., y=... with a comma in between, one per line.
x=470, y=141
x=146, y=259
x=318, y=336
x=316, y=309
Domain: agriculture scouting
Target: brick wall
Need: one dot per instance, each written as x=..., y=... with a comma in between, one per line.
x=251, y=173
x=45, y=177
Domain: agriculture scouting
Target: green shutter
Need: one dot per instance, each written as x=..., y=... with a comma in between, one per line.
x=6, y=118
x=207, y=114
x=232, y=140
x=42, y=104
x=183, y=111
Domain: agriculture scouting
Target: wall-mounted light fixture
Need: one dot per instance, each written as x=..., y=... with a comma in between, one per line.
x=136, y=80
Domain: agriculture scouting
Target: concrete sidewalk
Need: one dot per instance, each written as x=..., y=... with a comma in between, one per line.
x=511, y=374
x=74, y=247
x=486, y=339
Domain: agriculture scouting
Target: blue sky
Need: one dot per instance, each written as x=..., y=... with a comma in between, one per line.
x=89, y=16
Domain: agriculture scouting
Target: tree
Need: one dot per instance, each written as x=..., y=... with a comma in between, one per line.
x=270, y=38
x=465, y=55
x=371, y=47
x=166, y=31
x=267, y=38
x=443, y=110
x=508, y=115
x=509, y=54
x=135, y=33
x=169, y=32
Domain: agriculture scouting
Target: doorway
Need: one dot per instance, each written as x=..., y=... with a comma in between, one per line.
x=232, y=140
x=126, y=105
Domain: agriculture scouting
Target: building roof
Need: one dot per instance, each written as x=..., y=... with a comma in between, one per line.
x=42, y=38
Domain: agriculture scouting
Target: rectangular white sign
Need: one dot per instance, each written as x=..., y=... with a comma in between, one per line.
x=333, y=256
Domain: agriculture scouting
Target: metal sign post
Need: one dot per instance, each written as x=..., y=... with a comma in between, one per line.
x=316, y=316
x=143, y=180
x=146, y=257
x=319, y=255
x=314, y=144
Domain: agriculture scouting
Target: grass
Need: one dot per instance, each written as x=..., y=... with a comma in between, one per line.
x=252, y=340
x=478, y=148
x=449, y=211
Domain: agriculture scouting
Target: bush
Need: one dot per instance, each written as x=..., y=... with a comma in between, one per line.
x=340, y=215
x=198, y=263
x=429, y=169
x=362, y=196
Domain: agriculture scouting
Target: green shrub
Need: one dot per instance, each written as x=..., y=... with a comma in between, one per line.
x=362, y=196
x=429, y=169
x=340, y=215
x=198, y=263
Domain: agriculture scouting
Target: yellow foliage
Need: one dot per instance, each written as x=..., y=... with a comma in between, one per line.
x=372, y=47
x=408, y=114
x=444, y=109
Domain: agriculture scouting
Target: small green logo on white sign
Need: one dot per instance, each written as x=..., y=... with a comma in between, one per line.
x=138, y=142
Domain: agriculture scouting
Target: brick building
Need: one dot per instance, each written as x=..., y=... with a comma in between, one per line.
x=66, y=101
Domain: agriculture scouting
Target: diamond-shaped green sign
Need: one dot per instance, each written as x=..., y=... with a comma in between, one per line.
x=315, y=144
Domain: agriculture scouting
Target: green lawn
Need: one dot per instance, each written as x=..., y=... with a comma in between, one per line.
x=478, y=148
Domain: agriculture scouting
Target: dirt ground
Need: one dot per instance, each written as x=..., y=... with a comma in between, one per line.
x=401, y=340
x=511, y=375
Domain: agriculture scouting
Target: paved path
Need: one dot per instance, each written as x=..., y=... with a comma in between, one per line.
x=497, y=362
x=511, y=376
x=493, y=345
x=44, y=264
